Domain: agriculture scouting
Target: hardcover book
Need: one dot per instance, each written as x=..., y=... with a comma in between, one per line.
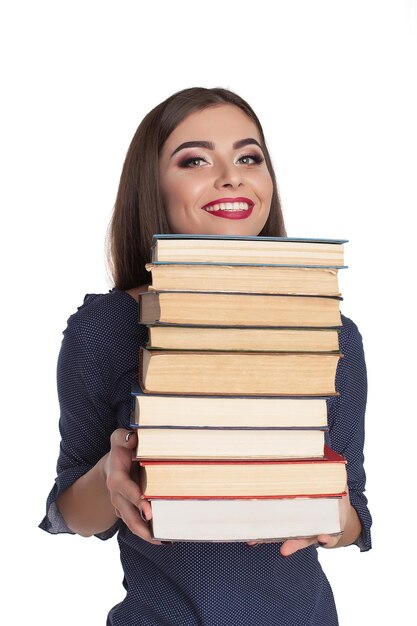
x=227, y=411
x=238, y=309
x=318, y=281
x=245, y=479
x=173, y=337
x=229, y=443
x=238, y=373
x=274, y=519
x=261, y=250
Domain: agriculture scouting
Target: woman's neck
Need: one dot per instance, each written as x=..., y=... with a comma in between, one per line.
x=135, y=291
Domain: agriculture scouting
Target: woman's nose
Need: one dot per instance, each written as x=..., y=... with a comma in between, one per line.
x=228, y=175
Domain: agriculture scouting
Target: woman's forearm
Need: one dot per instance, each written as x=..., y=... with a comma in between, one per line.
x=86, y=506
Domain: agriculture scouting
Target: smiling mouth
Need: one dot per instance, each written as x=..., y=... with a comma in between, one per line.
x=230, y=210
x=228, y=206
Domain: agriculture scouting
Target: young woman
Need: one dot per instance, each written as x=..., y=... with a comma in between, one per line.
x=198, y=163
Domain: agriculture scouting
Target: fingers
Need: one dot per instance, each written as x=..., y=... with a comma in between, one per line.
x=120, y=483
x=128, y=435
x=328, y=541
x=124, y=438
x=125, y=494
x=146, y=510
x=133, y=520
x=131, y=493
x=131, y=507
x=293, y=545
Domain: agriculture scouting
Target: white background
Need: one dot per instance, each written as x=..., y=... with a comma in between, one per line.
x=334, y=84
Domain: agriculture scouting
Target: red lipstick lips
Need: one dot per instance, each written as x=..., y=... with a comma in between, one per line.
x=231, y=214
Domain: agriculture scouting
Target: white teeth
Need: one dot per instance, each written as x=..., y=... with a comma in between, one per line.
x=228, y=206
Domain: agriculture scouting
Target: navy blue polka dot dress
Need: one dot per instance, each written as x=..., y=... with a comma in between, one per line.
x=190, y=584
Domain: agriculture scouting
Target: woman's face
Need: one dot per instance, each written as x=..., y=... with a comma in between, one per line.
x=213, y=175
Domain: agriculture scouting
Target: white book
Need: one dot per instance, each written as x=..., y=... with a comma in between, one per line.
x=244, y=519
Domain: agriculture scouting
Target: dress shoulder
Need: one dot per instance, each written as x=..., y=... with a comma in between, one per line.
x=103, y=320
x=102, y=309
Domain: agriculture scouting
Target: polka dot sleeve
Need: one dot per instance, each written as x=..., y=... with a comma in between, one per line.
x=86, y=419
x=347, y=419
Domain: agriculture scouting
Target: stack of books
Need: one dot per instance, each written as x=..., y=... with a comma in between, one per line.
x=231, y=410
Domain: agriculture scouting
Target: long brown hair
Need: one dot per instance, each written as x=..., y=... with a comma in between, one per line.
x=139, y=211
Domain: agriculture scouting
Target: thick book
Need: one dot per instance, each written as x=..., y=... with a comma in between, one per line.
x=238, y=373
x=229, y=249
x=229, y=443
x=244, y=519
x=172, y=337
x=227, y=411
x=244, y=479
x=244, y=278
x=202, y=308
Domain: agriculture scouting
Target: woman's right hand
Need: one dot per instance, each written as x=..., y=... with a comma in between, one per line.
x=122, y=481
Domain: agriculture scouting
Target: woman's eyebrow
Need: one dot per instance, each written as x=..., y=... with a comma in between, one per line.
x=209, y=145
x=246, y=142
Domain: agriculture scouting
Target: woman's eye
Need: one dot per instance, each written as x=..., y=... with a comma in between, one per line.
x=192, y=162
x=196, y=162
x=250, y=159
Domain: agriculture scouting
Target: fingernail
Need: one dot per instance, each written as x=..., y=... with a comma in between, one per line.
x=142, y=515
x=128, y=435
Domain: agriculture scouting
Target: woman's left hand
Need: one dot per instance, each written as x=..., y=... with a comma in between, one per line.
x=349, y=524
x=326, y=541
